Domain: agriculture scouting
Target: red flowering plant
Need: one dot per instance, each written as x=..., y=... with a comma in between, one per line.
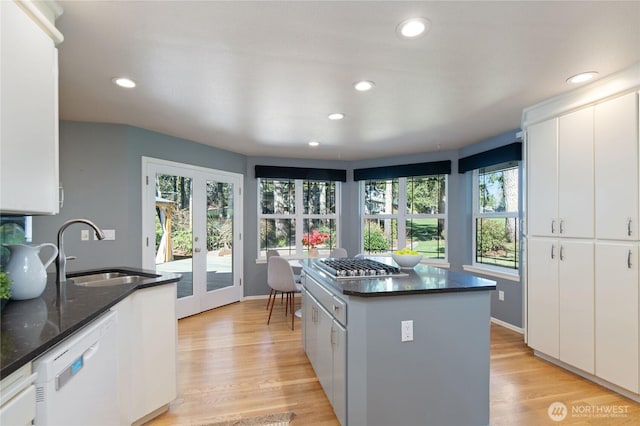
x=315, y=238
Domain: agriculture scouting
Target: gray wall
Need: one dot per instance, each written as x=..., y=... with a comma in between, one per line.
x=100, y=169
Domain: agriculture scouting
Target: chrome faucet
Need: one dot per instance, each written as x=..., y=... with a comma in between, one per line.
x=61, y=260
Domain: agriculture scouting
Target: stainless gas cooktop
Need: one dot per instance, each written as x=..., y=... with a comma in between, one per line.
x=354, y=268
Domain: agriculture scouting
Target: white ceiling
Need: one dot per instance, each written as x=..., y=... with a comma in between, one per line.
x=259, y=78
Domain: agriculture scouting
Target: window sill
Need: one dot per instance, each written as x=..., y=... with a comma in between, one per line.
x=492, y=273
x=444, y=265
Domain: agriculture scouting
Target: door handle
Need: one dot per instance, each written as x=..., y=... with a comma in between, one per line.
x=553, y=252
x=629, y=260
x=561, y=252
x=629, y=227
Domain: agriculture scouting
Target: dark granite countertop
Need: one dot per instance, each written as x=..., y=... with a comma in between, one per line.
x=423, y=279
x=28, y=328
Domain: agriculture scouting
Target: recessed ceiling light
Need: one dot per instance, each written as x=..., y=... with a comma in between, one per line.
x=336, y=116
x=414, y=27
x=127, y=83
x=364, y=85
x=314, y=143
x=582, y=77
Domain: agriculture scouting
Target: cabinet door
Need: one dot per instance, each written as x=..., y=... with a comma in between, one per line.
x=28, y=115
x=339, y=399
x=324, y=360
x=154, y=348
x=542, y=296
x=616, y=313
x=542, y=165
x=576, y=286
x=575, y=174
x=616, y=168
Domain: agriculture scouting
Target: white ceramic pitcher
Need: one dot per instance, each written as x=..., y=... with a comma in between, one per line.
x=27, y=271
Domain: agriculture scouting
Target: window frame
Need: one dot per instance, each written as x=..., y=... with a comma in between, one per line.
x=298, y=216
x=509, y=273
x=402, y=216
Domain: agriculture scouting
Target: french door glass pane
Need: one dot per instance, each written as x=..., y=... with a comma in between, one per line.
x=174, y=230
x=219, y=235
x=497, y=242
x=426, y=235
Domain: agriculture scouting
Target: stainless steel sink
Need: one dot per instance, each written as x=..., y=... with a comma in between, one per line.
x=107, y=279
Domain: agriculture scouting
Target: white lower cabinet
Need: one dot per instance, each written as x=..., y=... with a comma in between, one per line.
x=542, y=294
x=576, y=296
x=616, y=314
x=560, y=299
x=18, y=398
x=325, y=342
x=147, y=352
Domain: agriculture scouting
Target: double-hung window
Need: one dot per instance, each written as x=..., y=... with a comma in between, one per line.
x=405, y=212
x=495, y=217
x=405, y=206
x=298, y=215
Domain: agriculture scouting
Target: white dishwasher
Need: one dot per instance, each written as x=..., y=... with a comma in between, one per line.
x=77, y=380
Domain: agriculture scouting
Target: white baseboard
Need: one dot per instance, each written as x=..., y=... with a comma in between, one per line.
x=507, y=325
x=262, y=296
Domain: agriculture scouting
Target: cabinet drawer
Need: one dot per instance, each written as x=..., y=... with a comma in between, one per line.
x=333, y=304
x=339, y=310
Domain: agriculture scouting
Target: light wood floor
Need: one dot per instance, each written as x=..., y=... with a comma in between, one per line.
x=232, y=365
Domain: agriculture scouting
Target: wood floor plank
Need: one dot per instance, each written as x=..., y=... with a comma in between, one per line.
x=232, y=365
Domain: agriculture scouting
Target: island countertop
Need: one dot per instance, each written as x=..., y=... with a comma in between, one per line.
x=30, y=327
x=422, y=279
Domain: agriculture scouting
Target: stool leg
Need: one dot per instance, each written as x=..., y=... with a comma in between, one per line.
x=271, y=310
x=269, y=299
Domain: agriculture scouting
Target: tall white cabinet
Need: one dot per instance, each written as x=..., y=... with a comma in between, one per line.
x=28, y=113
x=582, y=231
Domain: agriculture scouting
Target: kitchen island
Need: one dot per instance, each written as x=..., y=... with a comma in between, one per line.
x=408, y=349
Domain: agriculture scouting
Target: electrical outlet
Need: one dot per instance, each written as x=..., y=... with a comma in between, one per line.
x=84, y=235
x=501, y=295
x=109, y=234
x=407, y=331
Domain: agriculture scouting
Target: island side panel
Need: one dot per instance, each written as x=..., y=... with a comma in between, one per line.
x=440, y=378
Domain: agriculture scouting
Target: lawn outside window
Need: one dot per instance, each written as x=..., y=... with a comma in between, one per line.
x=496, y=218
x=405, y=212
x=291, y=210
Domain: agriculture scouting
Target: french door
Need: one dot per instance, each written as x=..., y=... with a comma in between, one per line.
x=192, y=225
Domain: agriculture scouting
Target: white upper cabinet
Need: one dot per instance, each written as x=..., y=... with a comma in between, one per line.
x=575, y=174
x=28, y=115
x=616, y=161
x=542, y=175
x=560, y=176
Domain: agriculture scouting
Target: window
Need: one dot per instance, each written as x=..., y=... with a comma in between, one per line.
x=405, y=212
x=297, y=215
x=495, y=217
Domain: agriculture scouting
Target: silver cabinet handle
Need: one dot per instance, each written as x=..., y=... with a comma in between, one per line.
x=561, y=226
x=553, y=226
x=61, y=196
x=629, y=259
x=336, y=308
x=561, y=252
x=331, y=336
x=553, y=252
x=629, y=227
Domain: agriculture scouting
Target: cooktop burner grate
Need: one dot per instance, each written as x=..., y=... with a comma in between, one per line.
x=351, y=268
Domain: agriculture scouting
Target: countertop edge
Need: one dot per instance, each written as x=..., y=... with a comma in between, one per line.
x=163, y=279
